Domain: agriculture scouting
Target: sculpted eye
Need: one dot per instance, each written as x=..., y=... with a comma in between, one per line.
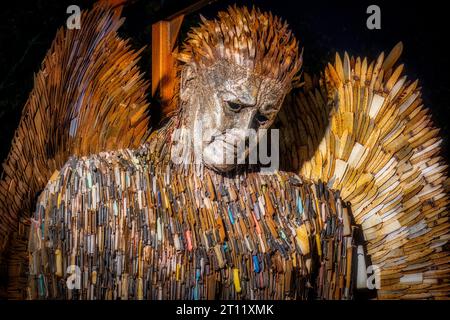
x=262, y=119
x=235, y=107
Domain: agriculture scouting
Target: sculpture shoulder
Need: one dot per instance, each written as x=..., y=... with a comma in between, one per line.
x=80, y=174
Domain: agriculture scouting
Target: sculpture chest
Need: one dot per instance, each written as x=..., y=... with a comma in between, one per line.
x=114, y=226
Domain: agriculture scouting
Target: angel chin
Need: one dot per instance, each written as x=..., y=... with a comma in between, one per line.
x=228, y=152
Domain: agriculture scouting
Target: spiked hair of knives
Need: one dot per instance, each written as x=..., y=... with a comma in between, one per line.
x=252, y=39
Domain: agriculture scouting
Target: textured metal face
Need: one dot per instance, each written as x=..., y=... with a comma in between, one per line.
x=225, y=104
x=237, y=70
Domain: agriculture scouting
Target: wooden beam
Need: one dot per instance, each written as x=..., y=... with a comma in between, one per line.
x=192, y=8
x=164, y=67
x=114, y=3
x=164, y=35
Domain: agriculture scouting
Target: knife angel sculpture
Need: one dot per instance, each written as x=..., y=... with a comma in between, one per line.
x=112, y=216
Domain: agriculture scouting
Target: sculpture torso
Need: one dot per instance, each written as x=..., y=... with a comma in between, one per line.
x=136, y=228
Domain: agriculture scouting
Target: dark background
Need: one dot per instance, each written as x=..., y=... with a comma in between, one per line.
x=27, y=29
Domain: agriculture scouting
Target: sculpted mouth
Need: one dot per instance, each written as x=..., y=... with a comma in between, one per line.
x=226, y=137
x=227, y=150
x=221, y=153
x=224, y=141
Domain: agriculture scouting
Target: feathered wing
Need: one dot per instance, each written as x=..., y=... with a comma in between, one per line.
x=365, y=131
x=89, y=96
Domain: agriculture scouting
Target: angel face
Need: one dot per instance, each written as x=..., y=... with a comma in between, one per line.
x=238, y=69
x=227, y=105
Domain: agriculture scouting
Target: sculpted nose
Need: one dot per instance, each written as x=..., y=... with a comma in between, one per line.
x=246, y=119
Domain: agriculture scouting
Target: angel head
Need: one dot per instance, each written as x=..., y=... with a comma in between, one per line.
x=237, y=70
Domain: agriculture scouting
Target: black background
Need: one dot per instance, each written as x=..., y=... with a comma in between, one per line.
x=27, y=29
x=167, y=309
